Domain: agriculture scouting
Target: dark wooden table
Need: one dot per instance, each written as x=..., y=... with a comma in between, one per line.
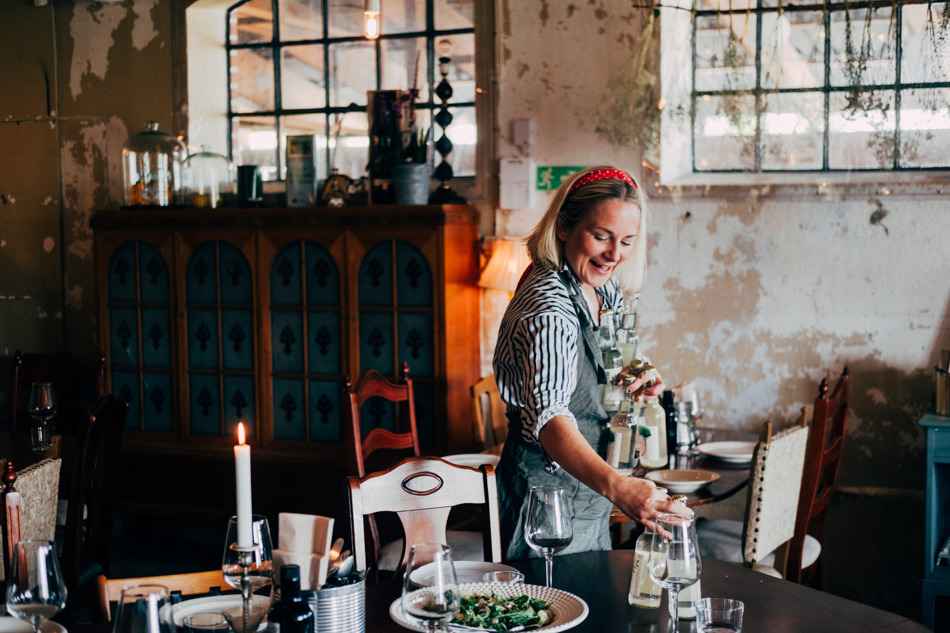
x=602, y=579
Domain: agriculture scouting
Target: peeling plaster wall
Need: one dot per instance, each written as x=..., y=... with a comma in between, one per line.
x=754, y=297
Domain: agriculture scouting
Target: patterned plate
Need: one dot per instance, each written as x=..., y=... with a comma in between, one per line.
x=567, y=609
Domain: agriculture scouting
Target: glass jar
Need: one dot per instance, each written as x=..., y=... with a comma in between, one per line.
x=205, y=176
x=151, y=167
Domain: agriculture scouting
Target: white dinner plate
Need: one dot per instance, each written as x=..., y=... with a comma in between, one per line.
x=466, y=571
x=472, y=459
x=10, y=624
x=211, y=604
x=683, y=481
x=567, y=610
x=733, y=452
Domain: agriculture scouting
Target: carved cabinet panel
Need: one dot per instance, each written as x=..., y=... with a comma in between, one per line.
x=261, y=315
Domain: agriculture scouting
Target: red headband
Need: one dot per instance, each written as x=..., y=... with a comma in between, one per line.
x=603, y=173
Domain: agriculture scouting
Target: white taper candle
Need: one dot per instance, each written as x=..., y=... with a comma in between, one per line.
x=242, y=479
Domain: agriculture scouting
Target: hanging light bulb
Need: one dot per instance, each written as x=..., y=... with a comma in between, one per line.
x=371, y=19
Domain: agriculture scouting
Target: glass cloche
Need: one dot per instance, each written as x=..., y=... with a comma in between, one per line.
x=151, y=167
x=206, y=175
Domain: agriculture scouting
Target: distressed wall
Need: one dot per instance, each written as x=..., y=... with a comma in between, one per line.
x=754, y=294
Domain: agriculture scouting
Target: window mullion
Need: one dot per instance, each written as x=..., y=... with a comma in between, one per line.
x=826, y=134
x=898, y=54
x=278, y=101
x=757, y=164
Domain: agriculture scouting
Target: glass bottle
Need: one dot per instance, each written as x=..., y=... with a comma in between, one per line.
x=654, y=419
x=612, y=395
x=292, y=614
x=151, y=167
x=682, y=429
x=627, y=338
x=644, y=592
x=686, y=600
x=669, y=406
x=205, y=176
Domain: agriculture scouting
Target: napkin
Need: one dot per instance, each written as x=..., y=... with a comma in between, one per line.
x=304, y=539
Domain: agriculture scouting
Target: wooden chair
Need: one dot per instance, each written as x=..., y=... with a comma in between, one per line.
x=200, y=582
x=422, y=491
x=761, y=542
x=488, y=412
x=30, y=504
x=89, y=510
x=374, y=384
x=821, y=468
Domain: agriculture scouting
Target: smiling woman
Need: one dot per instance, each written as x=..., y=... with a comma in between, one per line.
x=549, y=367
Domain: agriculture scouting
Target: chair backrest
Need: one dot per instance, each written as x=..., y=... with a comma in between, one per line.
x=36, y=498
x=488, y=412
x=199, y=582
x=422, y=491
x=90, y=496
x=374, y=384
x=773, y=499
x=821, y=466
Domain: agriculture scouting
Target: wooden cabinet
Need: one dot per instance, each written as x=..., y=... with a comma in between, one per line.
x=207, y=317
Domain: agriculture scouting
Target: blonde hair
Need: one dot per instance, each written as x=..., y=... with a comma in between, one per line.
x=569, y=208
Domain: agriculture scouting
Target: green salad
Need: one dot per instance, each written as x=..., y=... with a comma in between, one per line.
x=502, y=614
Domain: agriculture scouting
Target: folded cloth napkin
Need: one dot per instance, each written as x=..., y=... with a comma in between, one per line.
x=305, y=533
x=313, y=567
x=304, y=539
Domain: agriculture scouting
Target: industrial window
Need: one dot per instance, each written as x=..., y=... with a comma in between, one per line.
x=810, y=86
x=304, y=67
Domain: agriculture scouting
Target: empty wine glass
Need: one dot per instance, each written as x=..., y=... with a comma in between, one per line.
x=35, y=591
x=144, y=609
x=42, y=408
x=549, y=524
x=674, y=561
x=260, y=559
x=432, y=595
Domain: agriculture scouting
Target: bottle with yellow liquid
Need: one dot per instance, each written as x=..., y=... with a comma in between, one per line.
x=644, y=592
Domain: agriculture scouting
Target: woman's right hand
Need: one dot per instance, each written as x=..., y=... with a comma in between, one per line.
x=641, y=500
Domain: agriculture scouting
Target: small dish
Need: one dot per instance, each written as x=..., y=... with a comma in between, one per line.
x=682, y=481
x=10, y=624
x=732, y=452
x=466, y=571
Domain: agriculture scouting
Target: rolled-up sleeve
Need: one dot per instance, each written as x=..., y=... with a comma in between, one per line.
x=547, y=345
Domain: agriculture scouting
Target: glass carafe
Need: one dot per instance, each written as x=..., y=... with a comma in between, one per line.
x=151, y=168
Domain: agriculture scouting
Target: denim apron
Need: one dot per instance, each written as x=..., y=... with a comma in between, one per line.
x=522, y=464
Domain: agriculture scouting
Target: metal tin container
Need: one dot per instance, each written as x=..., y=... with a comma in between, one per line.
x=341, y=609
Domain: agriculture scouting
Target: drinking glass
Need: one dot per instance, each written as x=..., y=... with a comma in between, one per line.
x=549, y=524
x=261, y=558
x=674, y=559
x=432, y=594
x=35, y=590
x=144, y=609
x=504, y=577
x=719, y=615
x=42, y=408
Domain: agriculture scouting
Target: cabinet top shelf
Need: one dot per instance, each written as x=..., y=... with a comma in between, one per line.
x=191, y=217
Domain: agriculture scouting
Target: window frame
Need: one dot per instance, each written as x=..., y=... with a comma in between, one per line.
x=678, y=75
x=275, y=45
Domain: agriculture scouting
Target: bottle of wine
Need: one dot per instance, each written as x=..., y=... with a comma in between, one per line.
x=669, y=405
x=292, y=614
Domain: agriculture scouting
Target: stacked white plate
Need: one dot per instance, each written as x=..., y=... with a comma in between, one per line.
x=731, y=452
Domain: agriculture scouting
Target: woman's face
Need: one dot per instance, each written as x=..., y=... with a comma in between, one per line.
x=601, y=241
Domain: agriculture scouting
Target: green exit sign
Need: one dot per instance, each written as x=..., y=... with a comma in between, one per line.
x=550, y=177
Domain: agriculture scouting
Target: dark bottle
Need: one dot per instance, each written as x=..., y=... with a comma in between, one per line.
x=669, y=406
x=292, y=614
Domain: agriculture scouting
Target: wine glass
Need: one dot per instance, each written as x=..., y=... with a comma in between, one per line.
x=36, y=590
x=674, y=558
x=42, y=408
x=549, y=524
x=144, y=609
x=260, y=558
x=432, y=594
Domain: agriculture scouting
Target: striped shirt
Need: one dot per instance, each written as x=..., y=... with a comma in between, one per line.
x=536, y=355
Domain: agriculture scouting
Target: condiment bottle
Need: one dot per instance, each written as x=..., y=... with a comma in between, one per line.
x=292, y=614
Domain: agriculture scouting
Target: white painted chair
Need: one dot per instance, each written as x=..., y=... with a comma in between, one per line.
x=422, y=491
x=761, y=542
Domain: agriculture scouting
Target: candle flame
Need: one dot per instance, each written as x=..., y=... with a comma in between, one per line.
x=240, y=431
